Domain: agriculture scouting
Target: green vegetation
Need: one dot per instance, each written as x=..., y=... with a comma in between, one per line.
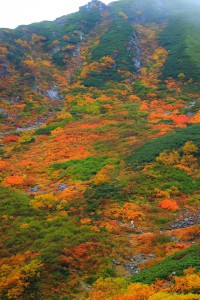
x=146, y=10
x=97, y=195
x=181, y=37
x=114, y=43
x=165, y=178
x=150, y=150
x=26, y=231
x=49, y=238
x=140, y=89
x=99, y=79
x=14, y=203
x=48, y=128
x=174, y=264
x=82, y=169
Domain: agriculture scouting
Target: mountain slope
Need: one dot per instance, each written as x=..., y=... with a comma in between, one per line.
x=39, y=61
x=100, y=153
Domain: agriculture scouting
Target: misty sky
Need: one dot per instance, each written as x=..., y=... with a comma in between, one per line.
x=23, y=12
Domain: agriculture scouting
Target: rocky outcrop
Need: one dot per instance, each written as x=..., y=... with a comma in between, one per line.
x=133, y=46
x=185, y=222
x=94, y=4
x=53, y=93
x=133, y=264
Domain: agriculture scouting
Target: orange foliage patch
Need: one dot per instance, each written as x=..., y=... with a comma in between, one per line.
x=27, y=163
x=169, y=204
x=181, y=246
x=181, y=119
x=187, y=234
x=196, y=118
x=85, y=221
x=136, y=291
x=3, y=165
x=14, y=180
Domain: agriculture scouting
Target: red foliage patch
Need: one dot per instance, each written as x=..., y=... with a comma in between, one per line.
x=10, y=138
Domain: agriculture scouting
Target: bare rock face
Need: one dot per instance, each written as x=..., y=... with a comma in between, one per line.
x=186, y=222
x=132, y=265
x=133, y=46
x=94, y=4
x=53, y=93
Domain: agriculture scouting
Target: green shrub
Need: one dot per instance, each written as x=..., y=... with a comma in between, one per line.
x=58, y=59
x=140, y=89
x=161, y=220
x=165, y=178
x=149, y=151
x=32, y=140
x=81, y=169
x=177, y=263
x=47, y=130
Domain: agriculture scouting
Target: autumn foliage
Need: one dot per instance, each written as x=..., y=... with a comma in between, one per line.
x=169, y=204
x=99, y=156
x=14, y=180
x=10, y=138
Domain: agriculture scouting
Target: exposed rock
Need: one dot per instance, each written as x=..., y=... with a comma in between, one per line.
x=133, y=266
x=189, y=108
x=186, y=212
x=56, y=49
x=11, y=101
x=133, y=46
x=190, y=114
x=152, y=256
x=81, y=36
x=62, y=187
x=173, y=238
x=117, y=262
x=186, y=222
x=94, y=4
x=53, y=93
x=77, y=56
x=34, y=189
x=191, y=103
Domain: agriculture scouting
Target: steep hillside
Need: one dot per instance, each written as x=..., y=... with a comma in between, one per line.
x=100, y=154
